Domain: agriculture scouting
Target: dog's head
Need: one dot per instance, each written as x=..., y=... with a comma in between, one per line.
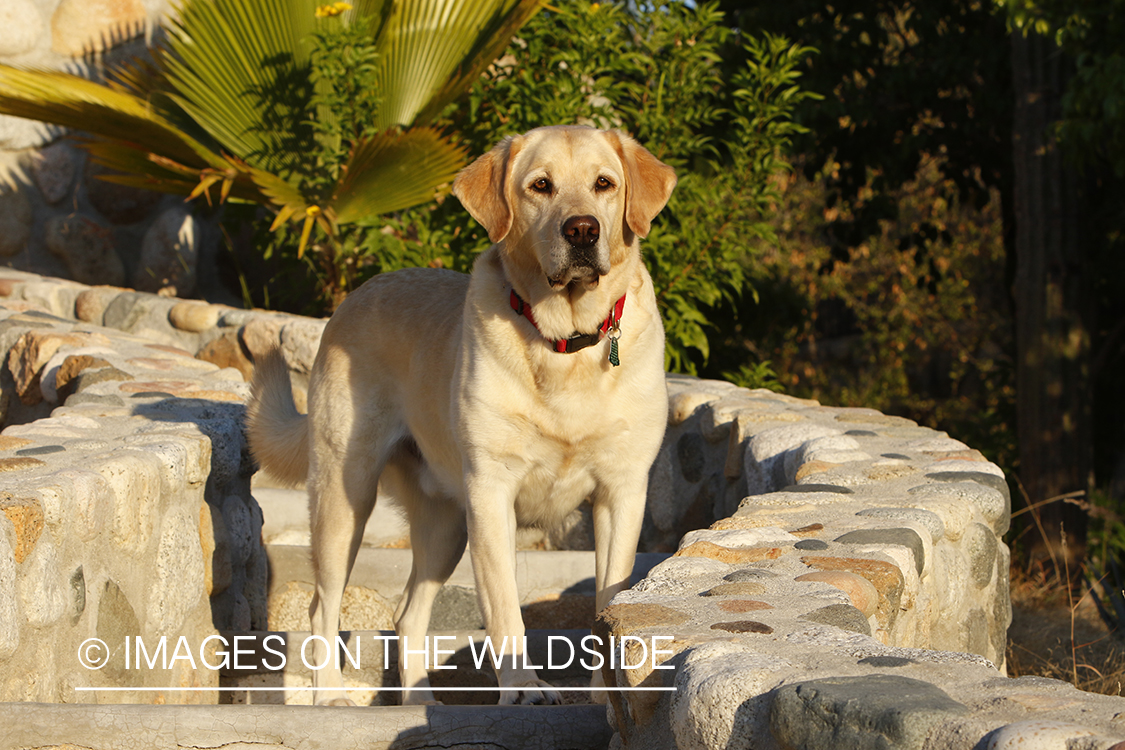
x=576, y=196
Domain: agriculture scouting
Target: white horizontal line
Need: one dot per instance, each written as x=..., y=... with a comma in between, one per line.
x=353, y=689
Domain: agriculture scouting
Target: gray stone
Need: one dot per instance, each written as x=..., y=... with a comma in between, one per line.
x=1001, y=603
x=17, y=133
x=240, y=526
x=78, y=593
x=87, y=249
x=90, y=398
x=87, y=378
x=456, y=608
x=300, y=340
x=743, y=626
x=722, y=696
x=886, y=662
x=177, y=583
x=811, y=544
x=1003, y=520
x=15, y=220
x=767, y=453
x=54, y=171
x=661, y=498
x=125, y=310
x=873, y=712
x=843, y=616
x=42, y=586
x=861, y=433
x=896, y=456
x=749, y=575
x=1043, y=734
x=903, y=537
x=831, y=488
x=927, y=519
x=991, y=502
x=121, y=204
x=117, y=620
x=975, y=631
x=21, y=26
x=980, y=545
x=169, y=254
x=690, y=450
x=40, y=450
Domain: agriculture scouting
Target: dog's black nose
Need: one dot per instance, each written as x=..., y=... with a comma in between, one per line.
x=581, y=231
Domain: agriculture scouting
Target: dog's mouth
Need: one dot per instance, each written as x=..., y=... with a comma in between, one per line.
x=583, y=277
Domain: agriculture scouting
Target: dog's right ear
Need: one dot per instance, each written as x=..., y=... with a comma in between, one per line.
x=483, y=189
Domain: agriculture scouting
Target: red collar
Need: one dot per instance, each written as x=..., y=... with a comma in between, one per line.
x=578, y=341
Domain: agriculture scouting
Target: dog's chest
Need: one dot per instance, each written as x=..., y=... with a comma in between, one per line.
x=558, y=475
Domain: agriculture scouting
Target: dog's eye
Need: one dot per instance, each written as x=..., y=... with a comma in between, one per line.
x=602, y=184
x=542, y=185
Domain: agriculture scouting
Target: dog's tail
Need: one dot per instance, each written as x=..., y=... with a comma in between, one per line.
x=278, y=433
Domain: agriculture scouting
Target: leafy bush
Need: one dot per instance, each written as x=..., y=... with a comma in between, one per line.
x=914, y=322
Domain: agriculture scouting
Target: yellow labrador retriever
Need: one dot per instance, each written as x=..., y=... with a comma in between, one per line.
x=491, y=401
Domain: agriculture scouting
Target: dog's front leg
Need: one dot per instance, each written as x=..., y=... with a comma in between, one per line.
x=492, y=541
x=618, y=516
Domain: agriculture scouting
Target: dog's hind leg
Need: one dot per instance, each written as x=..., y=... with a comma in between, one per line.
x=437, y=538
x=341, y=497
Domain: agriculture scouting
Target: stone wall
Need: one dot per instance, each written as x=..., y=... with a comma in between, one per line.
x=126, y=510
x=56, y=216
x=855, y=595
x=850, y=588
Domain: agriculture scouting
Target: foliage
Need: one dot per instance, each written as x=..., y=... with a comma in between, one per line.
x=657, y=72
x=901, y=80
x=915, y=328
x=318, y=114
x=1093, y=118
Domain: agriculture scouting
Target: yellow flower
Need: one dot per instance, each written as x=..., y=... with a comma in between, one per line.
x=312, y=211
x=335, y=9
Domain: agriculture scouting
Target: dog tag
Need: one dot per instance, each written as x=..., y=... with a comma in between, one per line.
x=613, y=334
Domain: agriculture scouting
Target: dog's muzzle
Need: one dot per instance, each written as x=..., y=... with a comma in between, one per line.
x=581, y=234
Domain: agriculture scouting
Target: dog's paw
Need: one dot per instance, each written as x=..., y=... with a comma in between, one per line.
x=530, y=693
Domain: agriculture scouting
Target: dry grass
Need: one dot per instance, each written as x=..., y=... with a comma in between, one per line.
x=1057, y=635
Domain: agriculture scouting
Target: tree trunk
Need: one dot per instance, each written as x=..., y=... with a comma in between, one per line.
x=1052, y=309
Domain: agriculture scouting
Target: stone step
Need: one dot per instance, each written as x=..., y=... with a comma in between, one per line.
x=542, y=577
x=113, y=727
x=285, y=519
x=368, y=660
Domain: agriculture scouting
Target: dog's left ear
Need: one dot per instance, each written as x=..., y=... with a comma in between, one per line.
x=482, y=188
x=648, y=183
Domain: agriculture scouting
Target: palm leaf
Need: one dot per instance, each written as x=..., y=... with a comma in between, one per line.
x=430, y=50
x=240, y=69
x=392, y=172
x=113, y=114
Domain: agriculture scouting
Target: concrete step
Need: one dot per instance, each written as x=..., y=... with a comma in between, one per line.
x=285, y=519
x=539, y=573
x=121, y=727
x=369, y=663
x=556, y=588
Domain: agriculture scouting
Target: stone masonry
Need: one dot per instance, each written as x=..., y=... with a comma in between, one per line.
x=126, y=506
x=845, y=584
